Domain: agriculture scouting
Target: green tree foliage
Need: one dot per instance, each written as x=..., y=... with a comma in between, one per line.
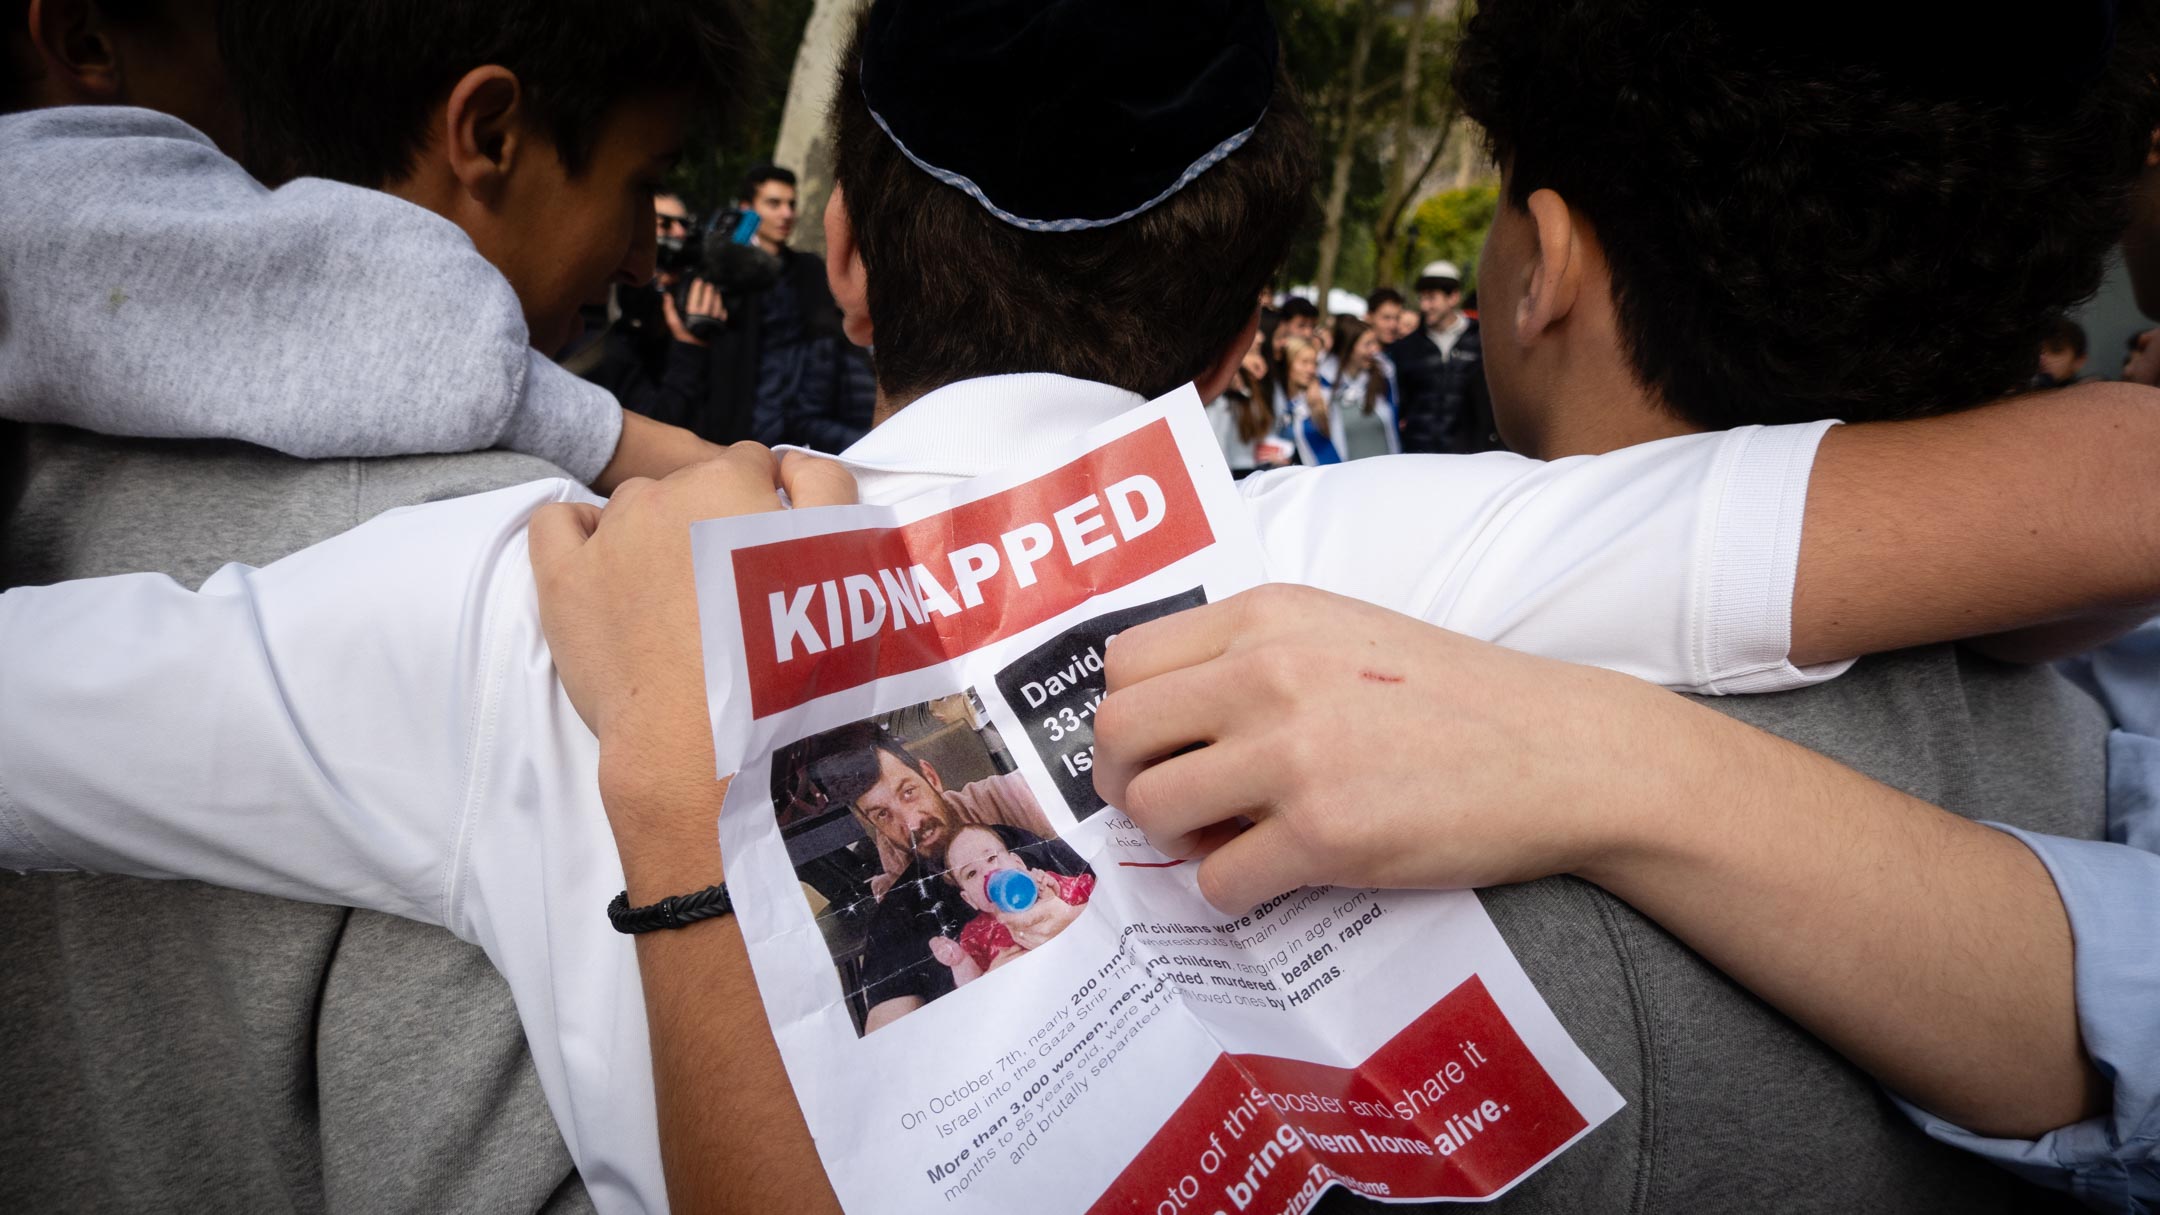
x=1452, y=225
x=1318, y=43
x=1318, y=38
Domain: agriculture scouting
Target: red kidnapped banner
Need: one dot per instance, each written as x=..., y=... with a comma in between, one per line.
x=851, y=607
x=1454, y=1106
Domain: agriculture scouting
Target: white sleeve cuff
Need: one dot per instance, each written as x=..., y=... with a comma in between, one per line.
x=1747, y=562
x=572, y=424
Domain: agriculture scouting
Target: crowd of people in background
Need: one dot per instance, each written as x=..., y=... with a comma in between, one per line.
x=466, y=732
x=1324, y=390
x=737, y=336
x=764, y=359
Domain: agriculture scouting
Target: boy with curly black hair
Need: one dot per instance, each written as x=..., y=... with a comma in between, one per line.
x=1772, y=219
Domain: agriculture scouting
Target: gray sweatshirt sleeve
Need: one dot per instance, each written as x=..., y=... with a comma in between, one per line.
x=150, y=287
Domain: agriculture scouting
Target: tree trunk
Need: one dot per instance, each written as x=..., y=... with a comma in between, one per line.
x=1395, y=196
x=1350, y=132
x=805, y=145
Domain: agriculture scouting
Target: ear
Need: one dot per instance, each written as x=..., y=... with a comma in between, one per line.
x=845, y=275
x=483, y=132
x=1555, y=267
x=929, y=772
x=1216, y=379
x=75, y=51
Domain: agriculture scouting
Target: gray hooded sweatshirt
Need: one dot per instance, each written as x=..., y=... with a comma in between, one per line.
x=150, y=287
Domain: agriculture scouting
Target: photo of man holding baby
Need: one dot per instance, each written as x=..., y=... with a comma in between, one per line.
x=924, y=855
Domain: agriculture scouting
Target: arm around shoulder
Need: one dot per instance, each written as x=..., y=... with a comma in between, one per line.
x=215, y=315
x=1932, y=951
x=618, y=601
x=238, y=734
x=1671, y=561
x=2033, y=523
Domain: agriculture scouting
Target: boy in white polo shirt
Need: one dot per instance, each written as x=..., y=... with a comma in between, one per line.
x=1868, y=1177
x=415, y=636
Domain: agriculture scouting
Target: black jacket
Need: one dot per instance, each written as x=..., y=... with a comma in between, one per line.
x=730, y=410
x=1442, y=403
x=714, y=391
x=634, y=354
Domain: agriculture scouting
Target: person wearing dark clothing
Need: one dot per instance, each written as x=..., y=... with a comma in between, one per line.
x=759, y=366
x=781, y=370
x=1442, y=403
x=832, y=421
x=635, y=353
x=647, y=357
x=809, y=385
x=903, y=805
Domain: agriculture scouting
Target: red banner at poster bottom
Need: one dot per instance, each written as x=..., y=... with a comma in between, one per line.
x=1454, y=1106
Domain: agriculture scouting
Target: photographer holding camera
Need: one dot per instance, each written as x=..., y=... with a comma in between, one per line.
x=757, y=350
x=639, y=360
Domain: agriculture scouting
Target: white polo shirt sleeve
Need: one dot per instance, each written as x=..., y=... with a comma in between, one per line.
x=1672, y=561
x=307, y=730
x=374, y=722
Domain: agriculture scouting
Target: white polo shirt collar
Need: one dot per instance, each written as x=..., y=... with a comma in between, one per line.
x=968, y=428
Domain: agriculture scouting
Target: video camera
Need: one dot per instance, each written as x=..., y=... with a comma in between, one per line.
x=723, y=252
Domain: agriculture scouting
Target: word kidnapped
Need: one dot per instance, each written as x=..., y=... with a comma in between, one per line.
x=857, y=607
x=830, y=611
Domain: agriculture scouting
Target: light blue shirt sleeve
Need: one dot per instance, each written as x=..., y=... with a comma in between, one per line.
x=2112, y=894
x=2125, y=676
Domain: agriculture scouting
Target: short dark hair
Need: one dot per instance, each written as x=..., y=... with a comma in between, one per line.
x=14, y=24
x=1298, y=306
x=15, y=40
x=343, y=88
x=1382, y=298
x=2065, y=334
x=1344, y=333
x=1145, y=305
x=847, y=764
x=14, y=46
x=761, y=174
x=1787, y=220
x=14, y=466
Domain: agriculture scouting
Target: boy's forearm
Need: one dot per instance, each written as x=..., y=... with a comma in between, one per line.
x=651, y=449
x=732, y=1137
x=1931, y=951
x=2034, y=523
x=617, y=594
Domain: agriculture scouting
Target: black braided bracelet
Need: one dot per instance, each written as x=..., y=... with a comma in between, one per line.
x=674, y=911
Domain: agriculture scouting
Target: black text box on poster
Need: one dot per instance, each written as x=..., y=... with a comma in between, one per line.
x=1055, y=688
